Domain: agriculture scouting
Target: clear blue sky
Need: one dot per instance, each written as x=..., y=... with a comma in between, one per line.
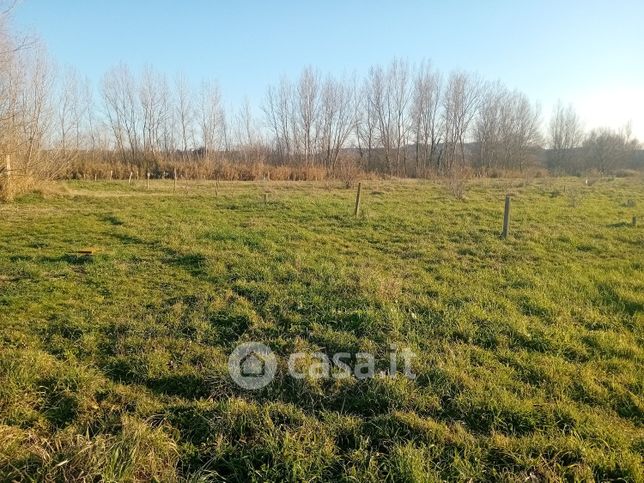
x=590, y=53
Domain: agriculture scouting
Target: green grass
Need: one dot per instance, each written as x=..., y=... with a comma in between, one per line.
x=530, y=365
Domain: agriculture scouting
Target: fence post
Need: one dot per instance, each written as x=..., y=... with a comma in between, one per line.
x=356, y=211
x=8, y=187
x=148, y=182
x=265, y=198
x=111, y=174
x=506, y=218
x=129, y=181
x=175, y=181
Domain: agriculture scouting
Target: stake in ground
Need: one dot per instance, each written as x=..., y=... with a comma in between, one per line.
x=529, y=348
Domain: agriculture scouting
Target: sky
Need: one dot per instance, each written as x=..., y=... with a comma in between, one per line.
x=588, y=53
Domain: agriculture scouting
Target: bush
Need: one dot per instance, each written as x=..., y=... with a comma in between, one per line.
x=457, y=182
x=626, y=173
x=347, y=171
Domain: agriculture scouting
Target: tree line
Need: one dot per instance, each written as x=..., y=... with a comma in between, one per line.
x=398, y=119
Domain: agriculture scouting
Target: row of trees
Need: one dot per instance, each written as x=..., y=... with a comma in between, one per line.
x=398, y=119
x=148, y=118
x=603, y=149
x=402, y=120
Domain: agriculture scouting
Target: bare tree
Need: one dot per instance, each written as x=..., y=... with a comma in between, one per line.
x=211, y=118
x=34, y=108
x=489, y=126
x=398, y=97
x=122, y=111
x=153, y=94
x=378, y=115
x=168, y=137
x=337, y=119
x=565, y=135
x=246, y=135
x=185, y=114
x=278, y=109
x=522, y=130
x=10, y=84
x=425, y=114
x=26, y=108
x=506, y=128
x=71, y=114
x=307, y=108
x=94, y=137
x=606, y=150
x=379, y=98
x=460, y=104
x=366, y=125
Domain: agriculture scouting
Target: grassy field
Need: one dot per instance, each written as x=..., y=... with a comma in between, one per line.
x=114, y=366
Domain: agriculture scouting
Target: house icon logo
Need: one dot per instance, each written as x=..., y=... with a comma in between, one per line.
x=252, y=365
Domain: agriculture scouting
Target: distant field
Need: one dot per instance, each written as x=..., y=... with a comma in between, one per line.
x=113, y=365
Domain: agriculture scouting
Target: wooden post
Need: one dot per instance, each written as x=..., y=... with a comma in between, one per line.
x=356, y=211
x=634, y=221
x=95, y=176
x=111, y=174
x=265, y=198
x=148, y=182
x=175, y=180
x=129, y=181
x=217, y=187
x=8, y=187
x=506, y=218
